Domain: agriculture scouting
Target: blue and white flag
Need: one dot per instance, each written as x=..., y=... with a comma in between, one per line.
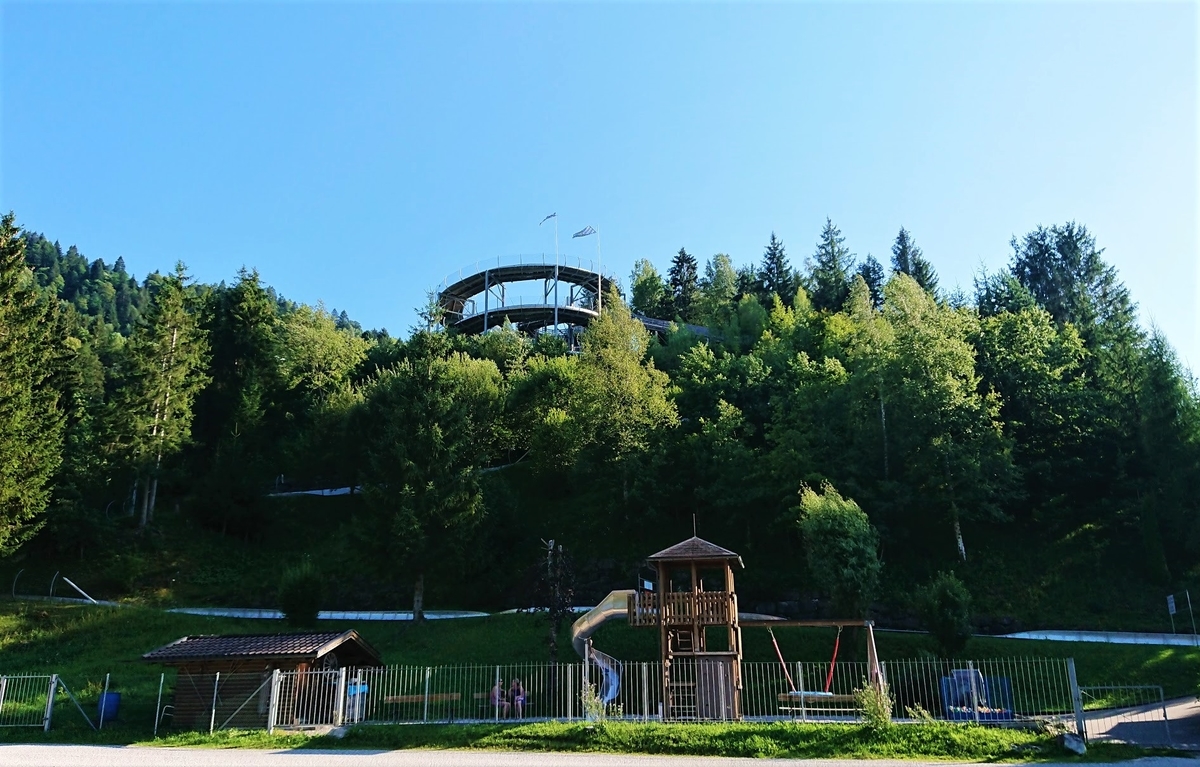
x=547, y=218
x=584, y=232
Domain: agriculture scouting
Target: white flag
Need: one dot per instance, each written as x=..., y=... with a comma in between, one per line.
x=584, y=232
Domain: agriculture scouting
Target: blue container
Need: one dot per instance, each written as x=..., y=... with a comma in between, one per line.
x=108, y=707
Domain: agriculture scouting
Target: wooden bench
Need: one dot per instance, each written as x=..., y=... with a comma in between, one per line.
x=438, y=697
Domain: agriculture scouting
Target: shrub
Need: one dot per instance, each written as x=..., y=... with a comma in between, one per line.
x=945, y=606
x=842, y=548
x=301, y=592
x=875, y=703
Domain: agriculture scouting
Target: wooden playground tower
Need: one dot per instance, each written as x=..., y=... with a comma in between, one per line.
x=695, y=608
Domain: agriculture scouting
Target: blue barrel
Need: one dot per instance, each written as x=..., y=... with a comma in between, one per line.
x=109, y=706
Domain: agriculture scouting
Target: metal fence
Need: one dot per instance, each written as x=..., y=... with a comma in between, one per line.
x=1126, y=714
x=27, y=700
x=1001, y=692
x=998, y=692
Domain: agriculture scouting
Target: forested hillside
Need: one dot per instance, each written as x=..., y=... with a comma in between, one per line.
x=1031, y=436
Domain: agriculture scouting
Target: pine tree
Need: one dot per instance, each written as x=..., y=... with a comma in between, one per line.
x=1064, y=271
x=830, y=270
x=684, y=279
x=747, y=283
x=775, y=276
x=872, y=273
x=31, y=421
x=907, y=259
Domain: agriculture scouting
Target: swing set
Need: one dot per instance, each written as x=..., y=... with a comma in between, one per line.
x=797, y=694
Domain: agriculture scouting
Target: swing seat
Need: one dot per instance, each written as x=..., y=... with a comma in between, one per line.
x=816, y=696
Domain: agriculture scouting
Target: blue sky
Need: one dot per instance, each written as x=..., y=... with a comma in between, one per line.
x=357, y=153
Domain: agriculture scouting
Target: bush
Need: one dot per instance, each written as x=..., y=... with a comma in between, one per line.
x=945, y=606
x=301, y=592
x=842, y=548
x=875, y=703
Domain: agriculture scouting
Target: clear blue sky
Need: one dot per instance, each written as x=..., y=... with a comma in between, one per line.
x=356, y=153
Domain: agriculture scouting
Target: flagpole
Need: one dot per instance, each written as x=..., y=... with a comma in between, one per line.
x=556, y=271
x=599, y=277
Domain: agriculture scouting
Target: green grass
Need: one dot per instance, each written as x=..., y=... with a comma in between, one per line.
x=802, y=741
x=936, y=741
x=82, y=644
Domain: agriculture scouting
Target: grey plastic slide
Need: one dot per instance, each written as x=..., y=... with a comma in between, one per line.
x=615, y=605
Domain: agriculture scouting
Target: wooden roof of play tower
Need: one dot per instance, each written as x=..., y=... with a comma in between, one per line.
x=695, y=550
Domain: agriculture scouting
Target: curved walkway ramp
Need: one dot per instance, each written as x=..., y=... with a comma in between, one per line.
x=481, y=297
x=327, y=615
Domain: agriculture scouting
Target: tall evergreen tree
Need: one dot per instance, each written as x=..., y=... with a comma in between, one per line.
x=684, y=279
x=830, y=270
x=907, y=259
x=238, y=418
x=775, y=276
x=1063, y=269
x=31, y=421
x=872, y=273
x=747, y=282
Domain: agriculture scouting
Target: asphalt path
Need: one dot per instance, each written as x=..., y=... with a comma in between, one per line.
x=117, y=756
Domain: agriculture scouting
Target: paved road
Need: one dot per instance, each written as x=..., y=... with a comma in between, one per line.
x=113, y=756
x=1144, y=725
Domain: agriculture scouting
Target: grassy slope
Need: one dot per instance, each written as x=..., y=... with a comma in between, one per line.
x=1081, y=581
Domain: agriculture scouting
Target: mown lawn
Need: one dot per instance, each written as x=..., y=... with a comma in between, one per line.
x=932, y=741
x=82, y=644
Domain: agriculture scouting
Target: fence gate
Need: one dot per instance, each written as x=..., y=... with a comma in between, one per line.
x=27, y=700
x=1127, y=714
x=307, y=699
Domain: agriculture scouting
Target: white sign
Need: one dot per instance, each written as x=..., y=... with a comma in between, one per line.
x=1171, y=604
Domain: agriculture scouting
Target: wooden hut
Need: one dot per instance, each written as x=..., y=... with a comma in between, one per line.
x=226, y=680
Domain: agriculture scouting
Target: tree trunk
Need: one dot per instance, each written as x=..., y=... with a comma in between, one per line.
x=962, y=548
x=419, y=600
x=145, y=507
x=156, y=433
x=153, y=497
x=883, y=424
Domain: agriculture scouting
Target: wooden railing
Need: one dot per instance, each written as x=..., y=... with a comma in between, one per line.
x=706, y=609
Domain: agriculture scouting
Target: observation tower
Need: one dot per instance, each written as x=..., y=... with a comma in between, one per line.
x=533, y=292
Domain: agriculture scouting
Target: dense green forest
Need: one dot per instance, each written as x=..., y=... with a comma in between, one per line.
x=1030, y=436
